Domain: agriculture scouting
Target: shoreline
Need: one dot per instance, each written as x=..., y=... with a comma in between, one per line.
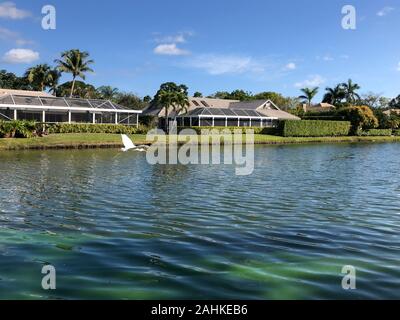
x=110, y=141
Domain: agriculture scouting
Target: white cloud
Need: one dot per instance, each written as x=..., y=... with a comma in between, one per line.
x=226, y=64
x=9, y=10
x=384, y=11
x=20, y=56
x=8, y=35
x=170, y=49
x=313, y=81
x=290, y=66
x=398, y=67
x=345, y=56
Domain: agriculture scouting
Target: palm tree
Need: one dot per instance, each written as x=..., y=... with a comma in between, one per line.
x=171, y=95
x=108, y=92
x=182, y=103
x=309, y=94
x=334, y=95
x=350, y=93
x=75, y=62
x=54, y=78
x=39, y=76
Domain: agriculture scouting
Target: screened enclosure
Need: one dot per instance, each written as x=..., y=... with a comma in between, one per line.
x=215, y=117
x=69, y=110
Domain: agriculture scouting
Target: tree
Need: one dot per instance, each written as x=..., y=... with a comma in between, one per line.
x=395, y=103
x=107, y=92
x=129, y=100
x=350, y=93
x=278, y=99
x=54, y=78
x=82, y=90
x=361, y=118
x=147, y=99
x=170, y=95
x=9, y=80
x=240, y=95
x=220, y=95
x=334, y=95
x=39, y=76
x=198, y=95
x=75, y=62
x=309, y=94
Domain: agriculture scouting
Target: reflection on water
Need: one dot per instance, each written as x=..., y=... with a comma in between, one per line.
x=116, y=227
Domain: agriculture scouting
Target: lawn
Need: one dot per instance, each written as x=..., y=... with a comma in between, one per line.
x=93, y=140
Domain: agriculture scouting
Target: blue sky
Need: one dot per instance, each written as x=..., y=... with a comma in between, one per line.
x=255, y=45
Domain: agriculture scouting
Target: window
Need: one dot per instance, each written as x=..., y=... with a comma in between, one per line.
x=204, y=103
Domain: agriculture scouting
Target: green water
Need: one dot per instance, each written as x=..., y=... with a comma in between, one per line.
x=115, y=227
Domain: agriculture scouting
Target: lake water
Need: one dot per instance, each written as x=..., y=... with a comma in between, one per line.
x=115, y=227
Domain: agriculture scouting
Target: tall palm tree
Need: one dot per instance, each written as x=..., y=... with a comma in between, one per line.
x=309, y=94
x=334, y=95
x=350, y=89
x=75, y=62
x=39, y=76
x=54, y=78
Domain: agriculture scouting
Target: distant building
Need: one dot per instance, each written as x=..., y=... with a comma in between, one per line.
x=43, y=107
x=320, y=107
x=223, y=113
x=24, y=92
x=392, y=111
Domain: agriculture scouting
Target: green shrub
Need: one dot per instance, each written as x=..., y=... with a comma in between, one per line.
x=377, y=133
x=257, y=130
x=314, y=128
x=20, y=129
x=396, y=133
x=95, y=128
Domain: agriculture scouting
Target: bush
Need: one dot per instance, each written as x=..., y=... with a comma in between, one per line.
x=314, y=128
x=20, y=129
x=361, y=118
x=257, y=130
x=95, y=128
x=377, y=133
x=396, y=133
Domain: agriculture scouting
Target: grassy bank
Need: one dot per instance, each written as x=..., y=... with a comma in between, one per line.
x=101, y=140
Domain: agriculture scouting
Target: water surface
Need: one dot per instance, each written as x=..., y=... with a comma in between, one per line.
x=116, y=227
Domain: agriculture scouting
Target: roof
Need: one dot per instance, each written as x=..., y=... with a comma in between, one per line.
x=390, y=111
x=225, y=113
x=264, y=108
x=24, y=93
x=53, y=103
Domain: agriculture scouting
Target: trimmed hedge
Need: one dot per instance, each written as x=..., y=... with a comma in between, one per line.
x=377, y=133
x=396, y=133
x=95, y=128
x=257, y=130
x=314, y=128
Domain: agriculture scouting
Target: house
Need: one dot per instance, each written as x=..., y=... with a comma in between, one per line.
x=392, y=112
x=223, y=113
x=43, y=107
x=320, y=107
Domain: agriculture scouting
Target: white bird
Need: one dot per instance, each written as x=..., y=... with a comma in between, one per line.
x=129, y=145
